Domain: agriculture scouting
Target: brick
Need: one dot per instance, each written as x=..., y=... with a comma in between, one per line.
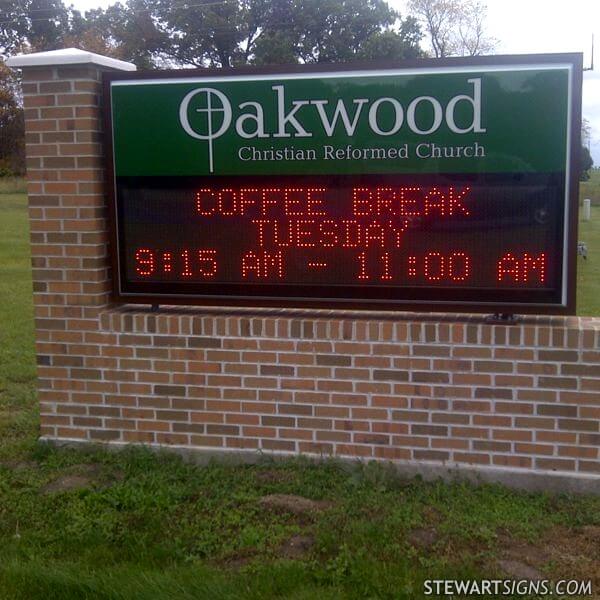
x=556, y=410
x=590, y=439
x=471, y=352
x=488, y=446
x=39, y=100
x=535, y=422
x=492, y=420
x=589, y=466
x=537, y=368
x=582, y=370
x=558, y=382
x=579, y=398
x=430, y=350
x=471, y=406
x=438, y=430
x=276, y=370
x=273, y=421
x=534, y=449
x=578, y=452
x=429, y=404
x=390, y=375
x=579, y=425
x=104, y=434
x=554, y=437
x=517, y=435
x=494, y=393
x=449, y=444
x=470, y=432
x=431, y=455
x=333, y=360
x=471, y=458
x=353, y=450
x=450, y=418
x=169, y=390
x=295, y=409
x=558, y=355
x=517, y=462
x=472, y=379
x=425, y=377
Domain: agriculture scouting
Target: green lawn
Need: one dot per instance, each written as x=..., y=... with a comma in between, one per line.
x=588, y=270
x=136, y=525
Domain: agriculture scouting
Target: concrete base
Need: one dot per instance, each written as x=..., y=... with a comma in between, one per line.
x=554, y=482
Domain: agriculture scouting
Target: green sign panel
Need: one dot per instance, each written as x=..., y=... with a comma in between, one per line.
x=408, y=121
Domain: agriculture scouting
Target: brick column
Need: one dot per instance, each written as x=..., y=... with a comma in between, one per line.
x=67, y=213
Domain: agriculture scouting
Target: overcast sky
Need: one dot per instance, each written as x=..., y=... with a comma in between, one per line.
x=530, y=26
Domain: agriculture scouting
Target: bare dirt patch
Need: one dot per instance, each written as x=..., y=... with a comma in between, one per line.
x=273, y=476
x=296, y=505
x=519, y=570
x=432, y=515
x=19, y=465
x=535, y=555
x=238, y=561
x=296, y=547
x=423, y=537
x=560, y=553
x=575, y=553
x=81, y=477
x=67, y=483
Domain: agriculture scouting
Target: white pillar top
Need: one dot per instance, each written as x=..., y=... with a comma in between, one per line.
x=67, y=56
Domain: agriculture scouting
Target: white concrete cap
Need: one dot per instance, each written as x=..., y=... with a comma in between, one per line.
x=67, y=56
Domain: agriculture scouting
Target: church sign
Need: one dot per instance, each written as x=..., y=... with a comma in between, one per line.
x=438, y=185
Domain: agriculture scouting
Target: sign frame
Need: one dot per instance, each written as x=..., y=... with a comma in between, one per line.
x=568, y=280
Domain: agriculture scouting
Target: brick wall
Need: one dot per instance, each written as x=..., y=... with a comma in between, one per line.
x=421, y=389
x=525, y=397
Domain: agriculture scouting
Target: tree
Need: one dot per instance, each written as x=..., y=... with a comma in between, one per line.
x=32, y=24
x=12, y=125
x=215, y=34
x=386, y=45
x=586, y=162
x=238, y=32
x=127, y=32
x=586, y=132
x=48, y=22
x=205, y=33
x=328, y=31
x=471, y=30
x=454, y=27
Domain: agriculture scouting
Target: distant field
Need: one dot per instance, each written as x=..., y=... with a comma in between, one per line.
x=591, y=189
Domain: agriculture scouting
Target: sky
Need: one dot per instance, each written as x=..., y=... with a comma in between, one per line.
x=526, y=27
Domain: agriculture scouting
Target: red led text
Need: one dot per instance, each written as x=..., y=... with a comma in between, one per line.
x=524, y=268
x=185, y=263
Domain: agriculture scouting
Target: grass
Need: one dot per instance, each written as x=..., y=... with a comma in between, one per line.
x=13, y=185
x=17, y=359
x=134, y=524
x=588, y=270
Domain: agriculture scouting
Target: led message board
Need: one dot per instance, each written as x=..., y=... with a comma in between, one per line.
x=439, y=185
